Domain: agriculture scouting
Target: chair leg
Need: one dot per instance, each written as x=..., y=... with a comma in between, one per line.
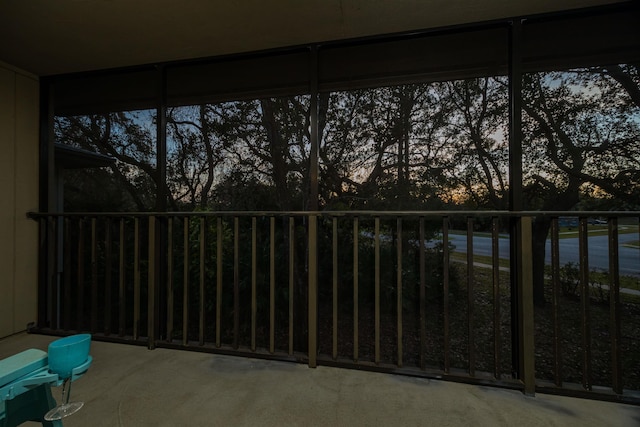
x=30, y=406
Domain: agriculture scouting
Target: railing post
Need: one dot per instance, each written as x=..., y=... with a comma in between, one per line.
x=525, y=327
x=313, y=290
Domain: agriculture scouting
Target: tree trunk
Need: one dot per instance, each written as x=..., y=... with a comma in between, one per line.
x=540, y=231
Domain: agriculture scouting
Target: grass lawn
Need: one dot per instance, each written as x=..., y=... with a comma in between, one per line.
x=632, y=244
x=568, y=232
x=596, y=277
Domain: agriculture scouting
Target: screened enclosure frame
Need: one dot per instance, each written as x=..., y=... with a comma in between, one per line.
x=509, y=47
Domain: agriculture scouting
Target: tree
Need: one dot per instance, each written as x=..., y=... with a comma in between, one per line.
x=126, y=136
x=582, y=130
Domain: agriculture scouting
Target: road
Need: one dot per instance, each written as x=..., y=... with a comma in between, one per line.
x=598, y=246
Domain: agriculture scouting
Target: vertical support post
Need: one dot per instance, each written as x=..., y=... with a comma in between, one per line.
x=161, y=141
x=313, y=290
x=314, y=131
x=515, y=186
x=161, y=245
x=47, y=202
x=313, y=206
x=525, y=326
x=515, y=116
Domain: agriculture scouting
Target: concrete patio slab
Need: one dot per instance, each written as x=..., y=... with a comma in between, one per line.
x=132, y=386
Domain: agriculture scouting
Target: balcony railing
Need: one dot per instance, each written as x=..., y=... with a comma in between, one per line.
x=435, y=294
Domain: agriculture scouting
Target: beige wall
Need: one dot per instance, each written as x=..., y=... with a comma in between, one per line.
x=19, y=111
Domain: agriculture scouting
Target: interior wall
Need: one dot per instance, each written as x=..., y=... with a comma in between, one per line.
x=19, y=110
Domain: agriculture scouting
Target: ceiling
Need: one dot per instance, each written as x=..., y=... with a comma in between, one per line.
x=47, y=37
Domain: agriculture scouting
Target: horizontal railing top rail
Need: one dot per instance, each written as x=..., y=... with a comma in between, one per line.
x=372, y=213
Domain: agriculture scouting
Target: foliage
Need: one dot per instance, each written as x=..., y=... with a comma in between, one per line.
x=570, y=279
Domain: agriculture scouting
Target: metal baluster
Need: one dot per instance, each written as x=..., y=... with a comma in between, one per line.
x=335, y=288
x=185, y=282
x=203, y=245
x=399, y=290
x=355, y=289
x=495, y=251
x=170, y=279
x=423, y=304
x=584, y=302
x=445, y=297
x=470, y=297
x=614, y=306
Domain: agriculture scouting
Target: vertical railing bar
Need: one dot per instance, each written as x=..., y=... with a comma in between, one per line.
x=151, y=284
x=334, y=252
x=185, y=282
x=254, y=278
x=525, y=321
x=219, y=257
x=355, y=288
x=313, y=291
x=170, y=279
x=136, y=278
x=495, y=238
x=422, y=293
x=80, y=284
x=94, y=276
x=46, y=268
x=583, y=237
x=377, y=289
x=50, y=298
x=399, y=290
x=291, y=279
x=555, y=302
x=614, y=306
x=470, y=296
x=203, y=245
x=53, y=295
x=121, y=288
x=445, y=296
x=272, y=285
x=236, y=281
x=67, y=274
x=108, y=282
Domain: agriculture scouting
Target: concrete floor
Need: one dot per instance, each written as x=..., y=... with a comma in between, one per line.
x=132, y=386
